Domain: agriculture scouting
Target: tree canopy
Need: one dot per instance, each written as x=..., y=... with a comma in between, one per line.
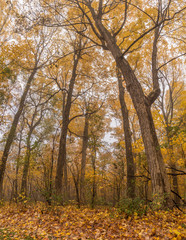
x=92, y=101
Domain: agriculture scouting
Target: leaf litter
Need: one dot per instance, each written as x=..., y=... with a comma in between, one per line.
x=44, y=223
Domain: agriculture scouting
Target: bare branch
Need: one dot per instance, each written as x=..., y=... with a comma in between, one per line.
x=124, y=20
x=171, y=60
x=151, y=29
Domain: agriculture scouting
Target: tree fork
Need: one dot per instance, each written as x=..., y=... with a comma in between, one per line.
x=62, y=145
x=160, y=182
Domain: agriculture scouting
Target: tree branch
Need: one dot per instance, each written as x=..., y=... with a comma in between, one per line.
x=171, y=60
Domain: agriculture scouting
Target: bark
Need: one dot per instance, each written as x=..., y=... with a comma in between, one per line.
x=25, y=170
x=49, y=198
x=168, y=112
x=172, y=165
x=168, y=118
x=12, y=132
x=83, y=160
x=94, y=179
x=128, y=140
x=76, y=183
x=18, y=164
x=65, y=189
x=175, y=183
x=142, y=104
x=61, y=161
x=26, y=166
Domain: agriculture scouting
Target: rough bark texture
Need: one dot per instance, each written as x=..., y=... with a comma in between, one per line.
x=142, y=104
x=13, y=130
x=61, y=161
x=128, y=140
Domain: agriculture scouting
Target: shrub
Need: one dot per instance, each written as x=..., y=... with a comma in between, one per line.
x=132, y=207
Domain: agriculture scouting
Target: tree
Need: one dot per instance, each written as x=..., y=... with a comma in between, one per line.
x=33, y=123
x=97, y=16
x=34, y=62
x=62, y=122
x=77, y=47
x=84, y=156
x=7, y=70
x=6, y=12
x=128, y=139
x=168, y=110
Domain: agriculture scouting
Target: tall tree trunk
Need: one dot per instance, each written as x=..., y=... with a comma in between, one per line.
x=12, y=132
x=76, y=184
x=175, y=183
x=128, y=140
x=26, y=166
x=65, y=122
x=24, y=184
x=142, y=104
x=83, y=159
x=172, y=164
x=94, y=178
x=49, y=198
x=65, y=184
x=18, y=163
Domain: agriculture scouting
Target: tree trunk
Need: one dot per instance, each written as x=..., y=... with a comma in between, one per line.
x=32, y=127
x=83, y=160
x=142, y=104
x=172, y=164
x=17, y=164
x=128, y=140
x=76, y=183
x=24, y=184
x=13, y=130
x=49, y=198
x=94, y=179
x=65, y=122
x=175, y=183
x=65, y=188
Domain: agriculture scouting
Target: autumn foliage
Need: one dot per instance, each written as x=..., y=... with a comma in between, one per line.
x=92, y=119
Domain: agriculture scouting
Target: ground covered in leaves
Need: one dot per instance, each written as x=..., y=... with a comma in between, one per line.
x=41, y=222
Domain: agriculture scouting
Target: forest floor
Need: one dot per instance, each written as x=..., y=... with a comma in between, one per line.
x=42, y=222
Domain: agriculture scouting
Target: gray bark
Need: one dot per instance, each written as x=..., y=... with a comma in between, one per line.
x=61, y=161
x=142, y=104
x=128, y=140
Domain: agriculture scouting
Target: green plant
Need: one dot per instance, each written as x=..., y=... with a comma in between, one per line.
x=159, y=202
x=132, y=207
x=57, y=199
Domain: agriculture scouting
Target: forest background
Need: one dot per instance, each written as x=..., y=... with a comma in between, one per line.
x=92, y=102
